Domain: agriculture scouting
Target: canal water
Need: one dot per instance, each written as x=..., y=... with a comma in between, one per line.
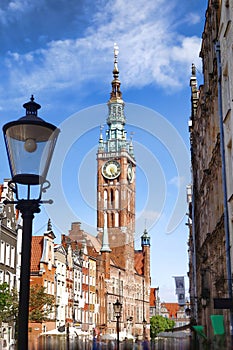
x=64, y=343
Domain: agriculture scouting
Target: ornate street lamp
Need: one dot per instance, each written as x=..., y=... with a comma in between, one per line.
x=204, y=302
x=30, y=143
x=117, y=307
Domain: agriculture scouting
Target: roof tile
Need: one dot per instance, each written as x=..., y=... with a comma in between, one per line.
x=36, y=252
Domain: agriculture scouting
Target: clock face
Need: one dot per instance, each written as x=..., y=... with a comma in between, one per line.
x=111, y=169
x=130, y=173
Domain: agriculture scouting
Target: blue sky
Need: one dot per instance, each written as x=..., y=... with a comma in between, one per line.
x=62, y=52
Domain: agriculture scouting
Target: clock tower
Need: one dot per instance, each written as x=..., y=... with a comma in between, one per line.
x=116, y=173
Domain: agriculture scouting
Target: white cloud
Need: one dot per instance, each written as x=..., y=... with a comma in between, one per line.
x=18, y=5
x=151, y=52
x=187, y=50
x=178, y=181
x=16, y=9
x=193, y=18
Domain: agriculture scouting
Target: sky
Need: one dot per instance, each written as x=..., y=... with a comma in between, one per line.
x=61, y=51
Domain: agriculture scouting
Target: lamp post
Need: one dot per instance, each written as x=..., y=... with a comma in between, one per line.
x=187, y=309
x=117, y=307
x=143, y=307
x=144, y=328
x=204, y=302
x=30, y=143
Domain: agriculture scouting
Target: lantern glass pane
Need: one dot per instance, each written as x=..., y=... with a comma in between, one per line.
x=117, y=307
x=30, y=148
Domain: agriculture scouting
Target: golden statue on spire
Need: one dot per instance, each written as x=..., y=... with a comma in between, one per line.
x=116, y=51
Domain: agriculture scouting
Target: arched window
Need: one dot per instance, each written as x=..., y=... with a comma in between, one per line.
x=116, y=199
x=105, y=199
x=112, y=198
x=129, y=199
x=117, y=220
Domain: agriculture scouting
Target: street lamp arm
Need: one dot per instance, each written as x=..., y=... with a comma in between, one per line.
x=49, y=201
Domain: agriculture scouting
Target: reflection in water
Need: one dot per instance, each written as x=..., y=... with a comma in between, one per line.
x=64, y=343
x=60, y=343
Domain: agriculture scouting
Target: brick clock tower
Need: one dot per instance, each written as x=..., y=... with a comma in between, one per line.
x=116, y=177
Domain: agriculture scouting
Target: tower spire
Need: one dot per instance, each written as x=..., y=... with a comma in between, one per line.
x=49, y=226
x=115, y=69
x=145, y=239
x=116, y=93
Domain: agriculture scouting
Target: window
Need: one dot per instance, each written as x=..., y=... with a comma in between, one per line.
x=2, y=255
x=129, y=200
x=1, y=276
x=12, y=257
x=111, y=198
x=121, y=287
x=138, y=314
x=8, y=223
x=226, y=92
x=109, y=312
x=105, y=199
x=117, y=220
x=7, y=261
x=116, y=199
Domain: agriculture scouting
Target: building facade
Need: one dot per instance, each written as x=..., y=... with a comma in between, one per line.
x=8, y=256
x=154, y=302
x=8, y=241
x=176, y=313
x=43, y=273
x=210, y=219
x=225, y=89
x=77, y=287
x=60, y=256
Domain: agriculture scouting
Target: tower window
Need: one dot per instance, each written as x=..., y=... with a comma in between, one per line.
x=116, y=199
x=112, y=198
x=105, y=199
x=117, y=220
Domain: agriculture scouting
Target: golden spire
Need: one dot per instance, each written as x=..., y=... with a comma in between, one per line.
x=116, y=93
x=115, y=69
